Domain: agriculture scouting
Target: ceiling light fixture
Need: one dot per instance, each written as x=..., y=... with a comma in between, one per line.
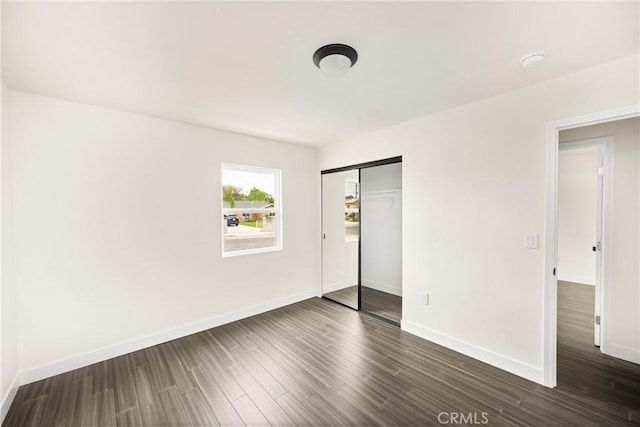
x=532, y=59
x=335, y=59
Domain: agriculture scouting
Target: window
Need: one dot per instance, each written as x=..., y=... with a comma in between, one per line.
x=251, y=210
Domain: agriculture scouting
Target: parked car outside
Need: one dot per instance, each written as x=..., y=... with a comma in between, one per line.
x=232, y=220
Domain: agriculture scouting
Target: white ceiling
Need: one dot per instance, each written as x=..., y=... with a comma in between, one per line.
x=247, y=67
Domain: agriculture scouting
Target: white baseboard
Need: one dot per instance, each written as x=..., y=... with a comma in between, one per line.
x=7, y=399
x=337, y=286
x=622, y=352
x=74, y=362
x=573, y=278
x=487, y=356
x=383, y=287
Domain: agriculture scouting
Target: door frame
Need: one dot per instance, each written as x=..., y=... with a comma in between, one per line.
x=550, y=283
x=604, y=214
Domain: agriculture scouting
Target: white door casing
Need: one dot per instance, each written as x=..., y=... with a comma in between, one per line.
x=550, y=285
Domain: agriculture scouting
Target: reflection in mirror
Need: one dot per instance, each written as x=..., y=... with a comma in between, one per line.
x=340, y=227
x=351, y=209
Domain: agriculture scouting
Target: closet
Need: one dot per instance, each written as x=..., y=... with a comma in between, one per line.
x=362, y=237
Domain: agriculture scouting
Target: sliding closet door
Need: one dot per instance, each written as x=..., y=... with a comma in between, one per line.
x=341, y=232
x=381, y=235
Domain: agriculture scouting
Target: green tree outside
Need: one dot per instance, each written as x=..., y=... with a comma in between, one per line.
x=231, y=193
x=259, y=195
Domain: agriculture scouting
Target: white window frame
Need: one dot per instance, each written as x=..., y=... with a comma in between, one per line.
x=277, y=208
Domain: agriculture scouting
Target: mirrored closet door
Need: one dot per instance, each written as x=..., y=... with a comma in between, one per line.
x=362, y=237
x=341, y=232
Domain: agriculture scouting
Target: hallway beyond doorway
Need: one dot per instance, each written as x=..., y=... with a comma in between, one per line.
x=582, y=369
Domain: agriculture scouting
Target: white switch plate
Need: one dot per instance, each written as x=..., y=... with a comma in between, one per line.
x=424, y=298
x=531, y=240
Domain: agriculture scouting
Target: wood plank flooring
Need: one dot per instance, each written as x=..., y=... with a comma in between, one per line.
x=310, y=363
x=582, y=368
x=379, y=303
x=383, y=304
x=347, y=296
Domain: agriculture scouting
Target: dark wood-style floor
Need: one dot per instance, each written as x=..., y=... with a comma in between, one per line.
x=379, y=303
x=584, y=370
x=383, y=304
x=310, y=363
x=347, y=296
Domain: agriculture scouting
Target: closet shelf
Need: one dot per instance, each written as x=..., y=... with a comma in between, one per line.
x=381, y=193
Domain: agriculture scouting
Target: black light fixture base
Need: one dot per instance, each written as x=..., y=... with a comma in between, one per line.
x=335, y=49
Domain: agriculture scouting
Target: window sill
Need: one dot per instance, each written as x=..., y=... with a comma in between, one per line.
x=250, y=252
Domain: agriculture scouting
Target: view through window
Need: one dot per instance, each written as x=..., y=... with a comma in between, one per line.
x=251, y=217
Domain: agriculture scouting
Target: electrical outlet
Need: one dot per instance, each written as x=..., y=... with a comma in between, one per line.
x=424, y=298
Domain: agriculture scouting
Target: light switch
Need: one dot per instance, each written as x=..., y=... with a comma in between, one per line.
x=531, y=240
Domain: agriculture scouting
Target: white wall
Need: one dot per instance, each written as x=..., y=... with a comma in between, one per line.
x=577, y=207
x=117, y=231
x=8, y=313
x=340, y=256
x=621, y=335
x=476, y=175
x=381, y=216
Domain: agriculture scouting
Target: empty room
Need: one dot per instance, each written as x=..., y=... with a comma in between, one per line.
x=319, y=213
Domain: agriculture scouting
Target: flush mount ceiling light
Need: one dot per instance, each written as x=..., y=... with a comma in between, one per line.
x=335, y=59
x=532, y=59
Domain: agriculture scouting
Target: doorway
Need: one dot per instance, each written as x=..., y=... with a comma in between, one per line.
x=584, y=166
x=381, y=235
x=598, y=236
x=581, y=197
x=362, y=237
x=620, y=298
